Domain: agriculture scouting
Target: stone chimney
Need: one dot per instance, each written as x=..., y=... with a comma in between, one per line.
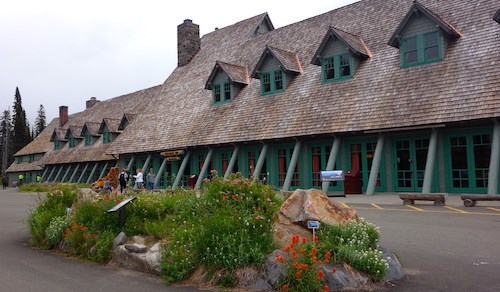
x=63, y=115
x=188, y=41
x=91, y=102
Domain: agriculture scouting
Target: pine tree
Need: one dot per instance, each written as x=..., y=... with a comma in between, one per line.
x=5, y=141
x=40, y=122
x=21, y=136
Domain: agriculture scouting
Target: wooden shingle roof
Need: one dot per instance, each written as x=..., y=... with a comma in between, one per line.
x=496, y=17
x=111, y=124
x=235, y=73
x=289, y=61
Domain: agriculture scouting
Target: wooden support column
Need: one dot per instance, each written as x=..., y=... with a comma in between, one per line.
x=260, y=162
x=494, y=160
x=103, y=171
x=180, y=173
x=331, y=161
x=377, y=157
x=430, y=162
x=146, y=165
x=83, y=173
x=58, y=173
x=160, y=171
x=74, y=173
x=234, y=157
x=129, y=165
x=291, y=166
x=204, y=169
x=92, y=172
x=66, y=173
x=44, y=174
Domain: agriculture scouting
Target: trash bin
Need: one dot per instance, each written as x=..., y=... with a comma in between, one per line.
x=352, y=183
x=192, y=181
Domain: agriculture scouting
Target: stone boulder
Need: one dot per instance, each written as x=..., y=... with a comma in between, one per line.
x=307, y=205
x=138, y=254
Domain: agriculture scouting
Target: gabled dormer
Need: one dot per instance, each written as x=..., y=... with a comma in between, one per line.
x=109, y=130
x=275, y=69
x=90, y=133
x=58, y=137
x=496, y=17
x=264, y=26
x=339, y=55
x=226, y=81
x=73, y=135
x=422, y=36
x=125, y=121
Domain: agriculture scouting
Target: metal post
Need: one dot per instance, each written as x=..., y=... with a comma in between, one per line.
x=44, y=173
x=180, y=173
x=204, y=169
x=377, y=157
x=291, y=166
x=58, y=173
x=160, y=171
x=260, y=162
x=234, y=157
x=430, y=162
x=92, y=172
x=66, y=173
x=494, y=160
x=331, y=161
x=83, y=173
x=74, y=173
x=146, y=164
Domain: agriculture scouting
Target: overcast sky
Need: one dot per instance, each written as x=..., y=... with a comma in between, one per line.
x=61, y=52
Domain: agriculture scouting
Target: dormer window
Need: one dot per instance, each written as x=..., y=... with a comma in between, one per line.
x=109, y=129
x=339, y=55
x=71, y=142
x=106, y=137
x=422, y=37
x=57, y=144
x=226, y=81
x=88, y=139
x=279, y=69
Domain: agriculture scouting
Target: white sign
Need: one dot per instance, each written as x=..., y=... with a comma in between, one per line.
x=332, y=175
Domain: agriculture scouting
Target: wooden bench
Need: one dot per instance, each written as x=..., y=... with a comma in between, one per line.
x=470, y=200
x=410, y=198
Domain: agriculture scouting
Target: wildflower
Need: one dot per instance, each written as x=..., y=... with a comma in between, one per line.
x=285, y=287
x=279, y=258
x=294, y=254
x=295, y=239
x=298, y=274
x=326, y=288
x=304, y=240
x=320, y=275
x=334, y=270
x=314, y=252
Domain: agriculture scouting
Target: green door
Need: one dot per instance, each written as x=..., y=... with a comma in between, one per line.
x=409, y=163
x=284, y=153
x=318, y=155
x=360, y=160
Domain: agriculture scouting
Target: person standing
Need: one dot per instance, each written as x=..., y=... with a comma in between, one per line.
x=21, y=178
x=5, y=182
x=123, y=180
x=139, y=179
x=151, y=178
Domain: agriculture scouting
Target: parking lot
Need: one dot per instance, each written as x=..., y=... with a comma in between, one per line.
x=442, y=248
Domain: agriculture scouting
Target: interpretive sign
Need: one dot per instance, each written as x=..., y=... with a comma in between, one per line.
x=122, y=211
x=332, y=175
x=172, y=153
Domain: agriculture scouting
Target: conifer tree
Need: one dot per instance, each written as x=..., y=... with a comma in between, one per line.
x=21, y=132
x=40, y=122
x=5, y=141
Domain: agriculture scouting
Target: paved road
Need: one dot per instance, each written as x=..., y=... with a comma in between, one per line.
x=25, y=269
x=442, y=249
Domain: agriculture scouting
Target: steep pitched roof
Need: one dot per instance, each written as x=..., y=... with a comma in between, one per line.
x=235, y=73
x=111, y=124
x=419, y=8
x=288, y=61
x=496, y=17
x=353, y=42
x=265, y=25
x=73, y=131
x=126, y=119
x=91, y=128
x=58, y=134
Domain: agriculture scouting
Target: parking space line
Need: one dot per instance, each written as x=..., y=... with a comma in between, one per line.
x=377, y=206
x=415, y=208
x=456, y=210
x=493, y=209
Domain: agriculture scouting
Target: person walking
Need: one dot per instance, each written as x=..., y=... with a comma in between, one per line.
x=139, y=179
x=151, y=178
x=5, y=182
x=123, y=180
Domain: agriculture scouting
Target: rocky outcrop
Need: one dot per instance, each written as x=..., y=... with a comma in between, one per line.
x=139, y=254
x=306, y=205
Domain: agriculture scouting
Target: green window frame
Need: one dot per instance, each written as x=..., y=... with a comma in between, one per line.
x=106, y=137
x=336, y=68
x=222, y=92
x=71, y=142
x=272, y=82
x=88, y=139
x=421, y=49
x=57, y=144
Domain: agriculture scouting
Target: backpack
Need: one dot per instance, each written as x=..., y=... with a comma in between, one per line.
x=123, y=177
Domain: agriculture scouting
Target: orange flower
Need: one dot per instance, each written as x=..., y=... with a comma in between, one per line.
x=279, y=258
x=285, y=287
x=294, y=254
x=328, y=256
x=300, y=266
x=84, y=235
x=320, y=275
x=314, y=251
x=326, y=288
x=302, y=251
x=334, y=270
x=295, y=239
x=315, y=239
x=298, y=275
x=287, y=248
x=304, y=240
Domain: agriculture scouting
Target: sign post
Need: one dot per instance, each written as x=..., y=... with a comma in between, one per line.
x=122, y=211
x=313, y=225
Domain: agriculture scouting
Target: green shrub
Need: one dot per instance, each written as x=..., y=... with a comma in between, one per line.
x=38, y=222
x=55, y=231
x=102, y=252
x=95, y=216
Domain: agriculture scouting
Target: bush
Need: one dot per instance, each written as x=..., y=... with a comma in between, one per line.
x=102, y=252
x=55, y=232
x=38, y=221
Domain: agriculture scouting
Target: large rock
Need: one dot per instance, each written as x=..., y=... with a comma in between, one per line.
x=395, y=270
x=307, y=205
x=139, y=255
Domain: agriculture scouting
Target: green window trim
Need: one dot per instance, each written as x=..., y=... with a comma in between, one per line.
x=88, y=139
x=336, y=68
x=272, y=82
x=106, y=137
x=421, y=49
x=57, y=144
x=222, y=92
x=71, y=142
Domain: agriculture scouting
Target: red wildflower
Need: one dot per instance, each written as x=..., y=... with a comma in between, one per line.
x=235, y=197
x=315, y=239
x=295, y=239
x=320, y=275
x=285, y=287
x=279, y=258
x=334, y=270
x=302, y=251
x=326, y=288
x=298, y=275
x=314, y=251
x=294, y=254
x=304, y=240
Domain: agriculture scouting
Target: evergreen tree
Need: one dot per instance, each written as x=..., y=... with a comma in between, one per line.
x=40, y=122
x=21, y=133
x=5, y=141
